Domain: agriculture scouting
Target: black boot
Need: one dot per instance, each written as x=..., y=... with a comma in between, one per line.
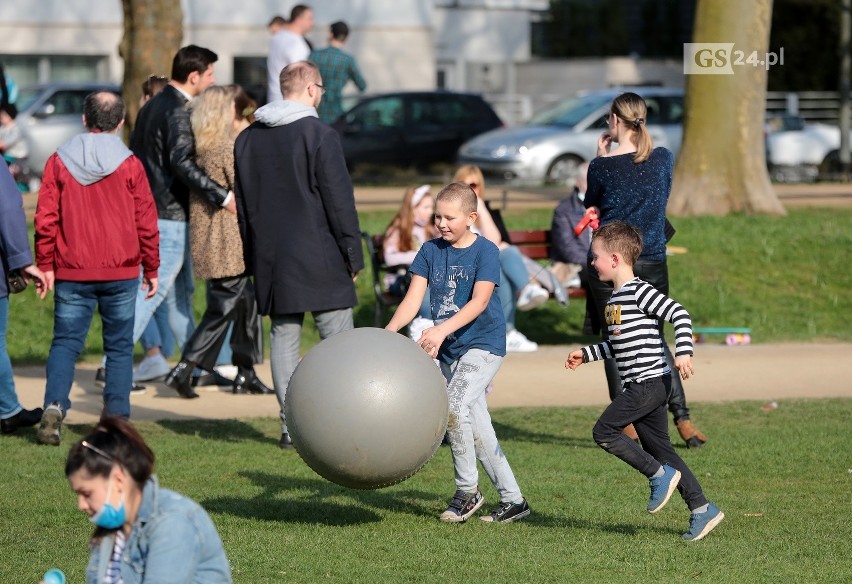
x=247, y=381
x=180, y=378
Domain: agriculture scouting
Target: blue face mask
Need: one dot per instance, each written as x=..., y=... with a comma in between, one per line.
x=108, y=516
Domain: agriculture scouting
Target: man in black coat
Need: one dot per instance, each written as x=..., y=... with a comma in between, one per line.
x=298, y=221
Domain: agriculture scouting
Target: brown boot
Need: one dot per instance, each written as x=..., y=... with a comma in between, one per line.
x=630, y=432
x=690, y=434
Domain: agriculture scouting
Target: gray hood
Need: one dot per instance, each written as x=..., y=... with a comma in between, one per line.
x=283, y=112
x=93, y=156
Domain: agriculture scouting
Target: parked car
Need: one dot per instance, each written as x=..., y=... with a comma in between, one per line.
x=797, y=151
x=551, y=146
x=412, y=128
x=50, y=114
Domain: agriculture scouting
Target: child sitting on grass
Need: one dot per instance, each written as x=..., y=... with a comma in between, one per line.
x=634, y=341
x=461, y=270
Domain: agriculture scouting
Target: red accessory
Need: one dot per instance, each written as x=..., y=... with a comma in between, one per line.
x=590, y=219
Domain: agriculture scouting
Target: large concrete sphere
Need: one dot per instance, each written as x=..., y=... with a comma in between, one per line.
x=366, y=408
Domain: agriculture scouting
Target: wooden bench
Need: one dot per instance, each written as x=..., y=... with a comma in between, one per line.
x=535, y=244
x=384, y=299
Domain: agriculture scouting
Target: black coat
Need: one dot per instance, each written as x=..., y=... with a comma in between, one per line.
x=163, y=141
x=297, y=217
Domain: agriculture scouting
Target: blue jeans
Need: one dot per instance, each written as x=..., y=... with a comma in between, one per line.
x=74, y=306
x=158, y=333
x=285, y=338
x=175, y=273
x=513, y=278
x=469, y=428
x=9, y=404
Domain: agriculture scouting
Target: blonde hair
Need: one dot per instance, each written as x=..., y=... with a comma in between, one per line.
x=632, y=110
x=460, y=192
x=468, y=173
x=212, y=117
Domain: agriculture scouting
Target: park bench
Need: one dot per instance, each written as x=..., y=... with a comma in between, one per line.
x=535, y=244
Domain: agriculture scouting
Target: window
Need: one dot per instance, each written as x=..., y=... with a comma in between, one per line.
x=250, y=74
x=385, y=112
x=32, y=69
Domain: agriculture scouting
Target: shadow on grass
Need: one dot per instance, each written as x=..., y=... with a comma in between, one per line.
x=507, y=432
x=576, y=523
x=222, y=430
x=315, y=501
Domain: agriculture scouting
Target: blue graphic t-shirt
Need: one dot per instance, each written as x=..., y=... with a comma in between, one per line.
x=451, y=274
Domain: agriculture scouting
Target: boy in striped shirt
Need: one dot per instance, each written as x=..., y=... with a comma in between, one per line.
x=633, y=315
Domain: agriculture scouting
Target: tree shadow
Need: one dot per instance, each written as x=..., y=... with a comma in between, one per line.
x=309, y=501
x=506, y=432
x=222, y=430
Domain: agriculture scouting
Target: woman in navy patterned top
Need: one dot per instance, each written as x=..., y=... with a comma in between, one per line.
x=631, y=183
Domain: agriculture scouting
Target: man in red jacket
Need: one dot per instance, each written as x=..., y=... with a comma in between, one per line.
x=95, y=223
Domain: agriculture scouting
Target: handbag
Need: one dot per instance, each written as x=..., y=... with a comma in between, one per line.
x=15, y=282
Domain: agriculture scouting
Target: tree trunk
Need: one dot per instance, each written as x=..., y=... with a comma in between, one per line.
x=722, y=163
x=153, y=30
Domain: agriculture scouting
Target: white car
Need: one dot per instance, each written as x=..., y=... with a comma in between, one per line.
x=797, y=151
x=553, y=144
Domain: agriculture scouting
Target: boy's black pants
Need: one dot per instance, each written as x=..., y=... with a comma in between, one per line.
x=643, y=404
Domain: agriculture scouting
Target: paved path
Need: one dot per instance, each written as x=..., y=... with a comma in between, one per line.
x=754, y=372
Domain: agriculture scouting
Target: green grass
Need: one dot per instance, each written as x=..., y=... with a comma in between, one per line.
x=787, y=278
x=781, y=477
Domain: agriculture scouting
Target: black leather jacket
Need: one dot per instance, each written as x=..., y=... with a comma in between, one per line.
x=163, y=141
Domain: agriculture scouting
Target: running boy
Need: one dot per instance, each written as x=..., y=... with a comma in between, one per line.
x=461, y=270
x=633, y=316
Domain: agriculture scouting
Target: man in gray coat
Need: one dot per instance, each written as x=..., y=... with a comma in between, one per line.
x=298, y=221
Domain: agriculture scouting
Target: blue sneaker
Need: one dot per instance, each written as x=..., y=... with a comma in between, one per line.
x=662, y=488
x=700, y=524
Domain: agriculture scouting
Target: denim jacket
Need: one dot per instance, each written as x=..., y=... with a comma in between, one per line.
x=173, y=540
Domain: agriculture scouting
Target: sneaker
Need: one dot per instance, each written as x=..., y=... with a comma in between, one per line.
x=516, y=342
x=151, y=368
x=51, y=424
x=532, y=296
x=690, y=434
x=137, y=389
x=229, y=372
x=700, y=524
x=662, y=488
x=417, y=326
x=462, y=506
x=508, y=512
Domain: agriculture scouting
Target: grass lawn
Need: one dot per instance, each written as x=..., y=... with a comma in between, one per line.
x=783, y=479
x=785, y=277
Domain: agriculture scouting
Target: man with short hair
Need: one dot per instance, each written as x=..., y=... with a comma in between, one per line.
x=298, y=221
x=337, y=67
x=164, y=143
x=95, y=223
x=288, y=45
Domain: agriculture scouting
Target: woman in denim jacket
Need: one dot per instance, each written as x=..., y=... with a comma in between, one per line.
x=144, y=533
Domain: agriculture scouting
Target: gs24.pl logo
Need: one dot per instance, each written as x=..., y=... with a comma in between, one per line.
x=721, y=58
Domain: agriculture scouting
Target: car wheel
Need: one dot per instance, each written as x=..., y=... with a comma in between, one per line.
x=831, y=164
x=563, y=170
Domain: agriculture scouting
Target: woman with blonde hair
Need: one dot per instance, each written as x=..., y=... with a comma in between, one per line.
x=217, y=254
x=631, y=183
x=517, y=290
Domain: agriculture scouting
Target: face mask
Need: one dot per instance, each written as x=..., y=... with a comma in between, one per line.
x=108, y=516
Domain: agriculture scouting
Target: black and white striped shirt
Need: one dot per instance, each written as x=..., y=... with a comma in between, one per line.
x=632, y=318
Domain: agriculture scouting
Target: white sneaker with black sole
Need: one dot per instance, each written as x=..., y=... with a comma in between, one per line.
x=151, y=368
x=532, y=296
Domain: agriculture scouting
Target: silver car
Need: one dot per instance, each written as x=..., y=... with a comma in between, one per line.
x=551, y=146
x=50, y=114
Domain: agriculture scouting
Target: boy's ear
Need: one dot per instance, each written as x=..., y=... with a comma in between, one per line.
x=471, y=219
